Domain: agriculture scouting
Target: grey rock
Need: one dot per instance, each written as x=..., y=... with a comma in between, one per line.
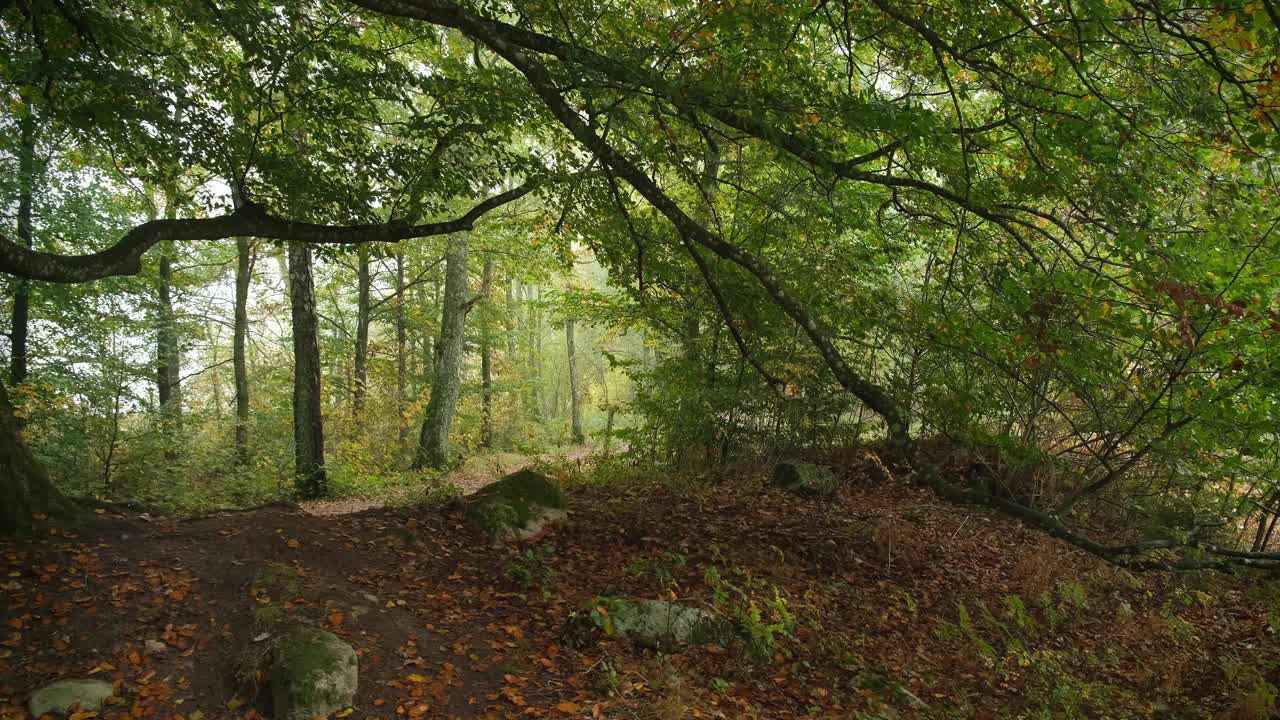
x=667, y=625
x=804, y=478
x=58, y=698
x=520, y=506
x=313, y=673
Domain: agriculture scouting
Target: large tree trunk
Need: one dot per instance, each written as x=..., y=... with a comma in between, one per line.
x=575, y=395
x=22, y=293
x=401, y=369
x=433, y=443
x=363, y=281
x=308, y=424
x=486, y=363
x=25, y=489
x=240, y=335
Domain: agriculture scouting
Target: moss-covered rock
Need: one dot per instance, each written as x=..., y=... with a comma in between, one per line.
x=649, y=623
x=804, y=478
x=520, y=506
x=58, y=698
x=313, y=673
x=667, y=625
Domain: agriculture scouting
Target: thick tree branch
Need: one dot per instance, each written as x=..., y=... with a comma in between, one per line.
x=125, y=256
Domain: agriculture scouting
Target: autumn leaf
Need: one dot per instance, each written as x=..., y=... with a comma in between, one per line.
x=567, y=707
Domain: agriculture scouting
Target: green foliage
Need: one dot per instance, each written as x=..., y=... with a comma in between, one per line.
x=532, y=567
x=607, y=613
x=760, y=618
x=662, y=568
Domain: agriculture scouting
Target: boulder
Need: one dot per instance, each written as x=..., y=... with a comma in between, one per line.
x=666, y=625
x=804, y=478
x=58, y=698
x=313, y=673
x=520, y=506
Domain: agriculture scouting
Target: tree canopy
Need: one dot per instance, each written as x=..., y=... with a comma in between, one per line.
x=1041, y=232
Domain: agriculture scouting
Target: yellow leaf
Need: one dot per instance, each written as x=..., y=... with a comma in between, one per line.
x=234, y=703
x=417, y=678
x=344, y=713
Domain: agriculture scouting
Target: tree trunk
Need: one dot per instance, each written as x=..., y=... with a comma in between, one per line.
x=575, y=396
x=22, y=292
x=25, y=488
x=401, y=368
x=308, y=423
x=535, y=347
x=168, y=361
x=486, y=363
x=433, y=443
x=363, y=282
x=167, y=388
x=240, y=335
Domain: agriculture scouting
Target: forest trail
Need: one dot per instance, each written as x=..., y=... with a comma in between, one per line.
x=474, y=474
x=862, y=592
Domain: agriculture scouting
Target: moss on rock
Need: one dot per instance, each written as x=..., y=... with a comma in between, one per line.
x=517, y=507
x=665, y=626
x=60, y=697
x=804, y=478
x=313, y=673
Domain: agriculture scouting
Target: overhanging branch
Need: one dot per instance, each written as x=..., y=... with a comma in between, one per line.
x=125, y=256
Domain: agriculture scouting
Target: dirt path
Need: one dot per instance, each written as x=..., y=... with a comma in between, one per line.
x=450, y=628
x=472, y=476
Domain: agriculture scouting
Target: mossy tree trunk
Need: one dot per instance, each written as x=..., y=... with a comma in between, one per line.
x=446, y=385
x=401, y=339
x=22, y=291
x=486, y=362
x=240, y=335
x=575, y=392
x=25, y=488
x=308, y=424
x=364, y=280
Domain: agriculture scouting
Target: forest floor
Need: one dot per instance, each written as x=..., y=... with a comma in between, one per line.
x=894, y=605
x=477, y=472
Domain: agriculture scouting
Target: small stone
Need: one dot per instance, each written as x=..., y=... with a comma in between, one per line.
x=155, y=647
x=58, y=698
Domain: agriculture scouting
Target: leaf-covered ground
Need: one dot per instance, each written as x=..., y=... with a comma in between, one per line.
x=882, y=602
